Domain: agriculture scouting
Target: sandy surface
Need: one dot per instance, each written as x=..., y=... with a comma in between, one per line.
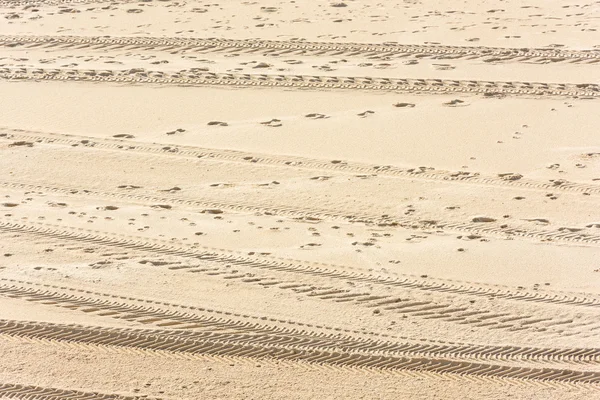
x=311, y=200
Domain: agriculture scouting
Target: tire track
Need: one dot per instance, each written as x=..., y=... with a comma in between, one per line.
x=225, y=266
x=130, y=339
x=231, y=330
x=16, y=391
x=300, y=48
x=194, y=77
x=406, y=281
x=302, y=267
x=193, y=152
x=21, y=3
x=490, y=229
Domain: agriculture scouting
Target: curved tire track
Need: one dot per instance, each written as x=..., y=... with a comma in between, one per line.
x=231, y=330
x=130, y=339
x=301, y=267
x=230, y=267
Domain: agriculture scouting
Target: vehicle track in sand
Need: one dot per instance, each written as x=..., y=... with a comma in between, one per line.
x=303, y=279
x=195, y=77
x=302, y=48
x=200, y=154
x=133, y=340
x=496, y=229
x=28, y=392
x=22, y=3
x=227, y=329
x=412, y=282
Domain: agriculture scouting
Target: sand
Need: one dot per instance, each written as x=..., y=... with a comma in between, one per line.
x=299, y=200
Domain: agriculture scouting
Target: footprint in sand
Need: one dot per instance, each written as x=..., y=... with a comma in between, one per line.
x=267, y=184
x=455, y=103
x=316, y=116
x=222, y=185
x=123, y=136
x=262, y=65
x=178, y=130
x=443, y=67
x=128, y=187
x=309, y=245
x=161, y=207
x=510, y=176
x=274, y=123
x=542, y=221
x=217, y=123
x=171, y=190
x=494, y=95
x=211, y=211
x=570, y=229
x=107, y=208
x=365, y=113
x=53, y=204
x=404, y=105
x=21, y=144
x=483, y=219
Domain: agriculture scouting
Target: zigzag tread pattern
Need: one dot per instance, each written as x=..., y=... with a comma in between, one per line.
x=271, y=47
x=406, y=304
x=194, y=77
x=295, y=266
x=130, y=339
x=220, y=329
x=421, y=173
x=28, y=392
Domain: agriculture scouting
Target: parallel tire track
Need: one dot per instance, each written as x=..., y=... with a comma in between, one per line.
x=195, y=77
x=230, y=330
x=26, y=392
x=421, y=173
x=302, y=48
x=490, y=229
x=451, y=310
x=294, y=266
x=129, y=339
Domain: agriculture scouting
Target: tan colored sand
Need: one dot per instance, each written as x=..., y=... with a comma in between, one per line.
x=299, y=220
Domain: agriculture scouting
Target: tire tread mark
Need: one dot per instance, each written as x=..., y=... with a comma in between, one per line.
x=268, y=334
x=400, y=85
x=203, y=154
x=314, y=213
x=496, y=54
x=296, y=266
x=164, y=341
x=16, y=391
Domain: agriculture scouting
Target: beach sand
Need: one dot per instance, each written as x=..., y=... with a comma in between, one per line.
x=299, y=200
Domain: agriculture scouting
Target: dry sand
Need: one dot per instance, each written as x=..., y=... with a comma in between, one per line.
x=299, y=200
